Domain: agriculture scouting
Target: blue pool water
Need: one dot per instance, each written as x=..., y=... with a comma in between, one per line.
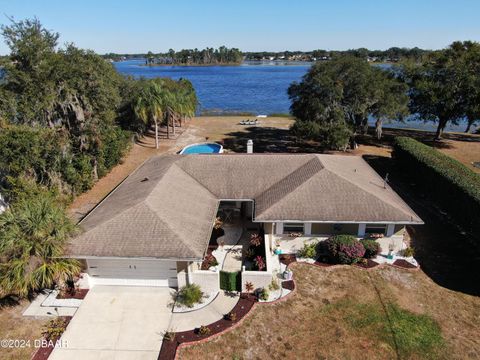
x=202, y=149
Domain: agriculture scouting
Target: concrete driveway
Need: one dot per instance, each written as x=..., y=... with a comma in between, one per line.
x=117, y=322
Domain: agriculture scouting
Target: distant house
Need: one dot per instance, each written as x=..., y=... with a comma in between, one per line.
x=154, y=229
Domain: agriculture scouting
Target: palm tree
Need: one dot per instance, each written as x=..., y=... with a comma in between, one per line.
x=33, y=235
x=149, y=107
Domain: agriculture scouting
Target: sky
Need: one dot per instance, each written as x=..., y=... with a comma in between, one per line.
x=139, y=26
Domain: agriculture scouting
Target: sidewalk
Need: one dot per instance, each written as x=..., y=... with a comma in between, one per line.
x=214, y=311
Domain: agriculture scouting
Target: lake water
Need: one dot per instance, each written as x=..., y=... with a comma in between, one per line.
x=258, y=88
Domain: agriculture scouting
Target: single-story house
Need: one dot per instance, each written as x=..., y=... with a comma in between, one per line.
x=157, y=223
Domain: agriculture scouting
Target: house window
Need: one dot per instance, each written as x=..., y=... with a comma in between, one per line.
x=375, y=229
x=293, y=227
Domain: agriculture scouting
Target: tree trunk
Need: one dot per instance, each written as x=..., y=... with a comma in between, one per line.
x=156, y=134
x=378, y=128
x=467, y=130
x=365, y=126
x=173, y=125
x=441, y=126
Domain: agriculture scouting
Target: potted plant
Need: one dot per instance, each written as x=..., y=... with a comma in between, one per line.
x=391, y=247
x=288, y=274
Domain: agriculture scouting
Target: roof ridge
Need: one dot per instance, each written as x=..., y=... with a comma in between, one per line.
x=129, y=176
x=179, y=237
x=194, y=179
x=370, y=192
x=312, y=167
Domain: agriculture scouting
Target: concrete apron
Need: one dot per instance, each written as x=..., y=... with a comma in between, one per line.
x=117, y=322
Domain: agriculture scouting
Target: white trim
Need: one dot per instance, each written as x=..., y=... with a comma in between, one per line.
x=81, y=257
x=345, y=222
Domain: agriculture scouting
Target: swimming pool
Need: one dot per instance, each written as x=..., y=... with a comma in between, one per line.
x=204, y=148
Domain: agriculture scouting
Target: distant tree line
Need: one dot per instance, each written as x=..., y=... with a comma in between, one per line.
x=207, y=56
x=224, y=55
x=393, y=54
x=66, y=118
x=335, y=99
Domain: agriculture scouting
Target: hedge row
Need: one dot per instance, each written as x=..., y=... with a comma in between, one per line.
x=230, y=281
x=455, y=187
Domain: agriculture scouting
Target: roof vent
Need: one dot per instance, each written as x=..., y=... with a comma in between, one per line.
x=144, y=179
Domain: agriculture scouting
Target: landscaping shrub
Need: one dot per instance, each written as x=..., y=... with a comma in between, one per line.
x=344, y=249
x=230, y=281
x=372, y=248
x=274, y=285
x=450, y=183
x=54, y=329
x=263, y=294
x=409, y=252
x=231, y=316
x=189, y=295
x=204, y=330
x=308, y=251
x=169, y=335
x=209, y=261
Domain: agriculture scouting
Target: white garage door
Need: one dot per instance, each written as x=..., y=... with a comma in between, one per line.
x=133, y=272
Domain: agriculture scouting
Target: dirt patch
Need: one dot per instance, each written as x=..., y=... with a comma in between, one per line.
x=15, y=326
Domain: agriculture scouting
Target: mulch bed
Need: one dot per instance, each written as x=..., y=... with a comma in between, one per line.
x=367, y=264
x=287, y=259
x=404, y=264
x=78, y=294
x=43, y=353
x=289, y=285
x=169, y=348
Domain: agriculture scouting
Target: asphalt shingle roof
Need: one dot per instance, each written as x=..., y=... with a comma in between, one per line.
x=166, y=208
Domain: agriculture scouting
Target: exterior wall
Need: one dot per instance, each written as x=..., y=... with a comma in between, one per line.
x=182, y=273
x=268, y=228
x=259, y=279
x=399, y=230
x=324, y=229
x=209, y=281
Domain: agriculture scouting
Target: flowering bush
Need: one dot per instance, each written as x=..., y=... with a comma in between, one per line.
x=372, y=248
x=344, y=249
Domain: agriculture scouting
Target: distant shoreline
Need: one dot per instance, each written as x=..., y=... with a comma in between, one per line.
x=195, y=65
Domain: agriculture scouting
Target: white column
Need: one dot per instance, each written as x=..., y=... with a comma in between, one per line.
x=390, y=229
x=361, y=230
x=307, y=228
x=279, y=228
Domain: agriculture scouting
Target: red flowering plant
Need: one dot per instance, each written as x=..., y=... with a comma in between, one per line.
x=255, y=239
x=260, y=263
